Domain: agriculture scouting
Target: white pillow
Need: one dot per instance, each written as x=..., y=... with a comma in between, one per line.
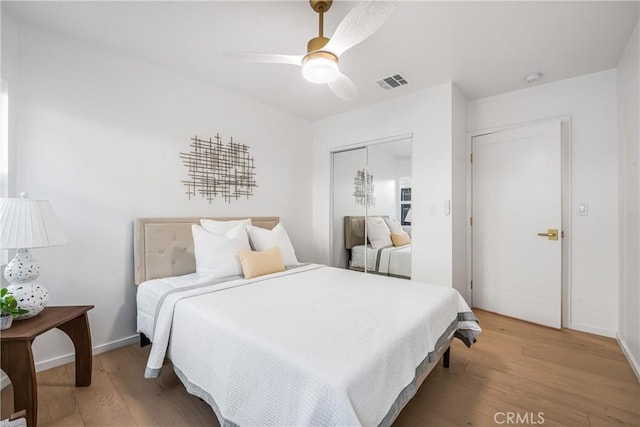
x=378, y=233
x=264, y=239
x=222, y=227
x=394, y=226
x=217, y=254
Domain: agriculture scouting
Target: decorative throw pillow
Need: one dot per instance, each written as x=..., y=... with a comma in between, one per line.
x=222, y=227
x=263, y=239
x=378, y=232
x=217, y=254
x=400, y=239
x=394, y=226
x=259, y=263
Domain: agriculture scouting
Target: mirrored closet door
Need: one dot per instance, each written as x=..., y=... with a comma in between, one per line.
x=371, y=208
x=350, y=199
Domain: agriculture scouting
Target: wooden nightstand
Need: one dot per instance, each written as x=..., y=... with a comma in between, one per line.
x=17, y=357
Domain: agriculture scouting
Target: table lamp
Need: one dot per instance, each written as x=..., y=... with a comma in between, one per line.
x=26, y=224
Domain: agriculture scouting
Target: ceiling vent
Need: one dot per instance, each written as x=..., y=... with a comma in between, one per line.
x=392, y=82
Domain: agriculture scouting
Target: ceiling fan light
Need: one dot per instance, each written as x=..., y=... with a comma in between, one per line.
x=320, y=68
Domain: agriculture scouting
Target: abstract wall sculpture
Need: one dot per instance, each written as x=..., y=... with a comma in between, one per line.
x=219, y=170
x=363, y=188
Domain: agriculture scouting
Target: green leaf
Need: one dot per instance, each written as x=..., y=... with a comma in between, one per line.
x=9, y=305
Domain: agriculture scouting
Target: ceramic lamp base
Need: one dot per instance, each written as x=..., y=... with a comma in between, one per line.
x=21, y=273
x=32, y=297
x=23, y=268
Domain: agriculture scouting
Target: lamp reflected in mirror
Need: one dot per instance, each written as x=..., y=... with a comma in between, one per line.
x=407, y=217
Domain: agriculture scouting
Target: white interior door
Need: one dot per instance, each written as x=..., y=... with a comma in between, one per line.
x=517, y=194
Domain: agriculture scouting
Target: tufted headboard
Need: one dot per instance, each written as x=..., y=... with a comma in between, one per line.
x=353, y=231
x=163, y=247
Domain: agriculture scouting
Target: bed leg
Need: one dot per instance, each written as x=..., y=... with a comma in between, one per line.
x=144, y=341
x=445, y=357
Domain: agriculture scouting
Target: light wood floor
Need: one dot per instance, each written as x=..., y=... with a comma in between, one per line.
x=572, y=377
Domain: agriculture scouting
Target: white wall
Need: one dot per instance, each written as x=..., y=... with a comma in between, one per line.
x=99, y=135
x=459, y=214
x=590, y=100
x=9, y=71
x=629, y=192
x=427, y=114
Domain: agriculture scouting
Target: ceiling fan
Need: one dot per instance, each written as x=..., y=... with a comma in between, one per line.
x=320, y=63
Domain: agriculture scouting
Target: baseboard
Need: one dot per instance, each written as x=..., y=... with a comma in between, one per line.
x=68, y=358
x=632, y=361
x=592, y=330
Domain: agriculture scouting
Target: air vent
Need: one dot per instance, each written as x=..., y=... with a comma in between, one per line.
x=392, y=82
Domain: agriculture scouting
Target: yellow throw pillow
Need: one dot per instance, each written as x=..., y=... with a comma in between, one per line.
x=400, y=239
x=259, y=263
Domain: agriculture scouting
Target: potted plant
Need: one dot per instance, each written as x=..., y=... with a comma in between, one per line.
x=8, y=309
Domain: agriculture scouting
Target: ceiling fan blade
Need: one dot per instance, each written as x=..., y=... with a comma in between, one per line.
x=360, y=23
x=267, y=58
x=344, y=88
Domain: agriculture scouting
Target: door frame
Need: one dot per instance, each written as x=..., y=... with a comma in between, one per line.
x=567, y=204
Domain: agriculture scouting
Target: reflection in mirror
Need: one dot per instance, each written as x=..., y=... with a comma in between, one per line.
x=372, y=209
x=348, y=199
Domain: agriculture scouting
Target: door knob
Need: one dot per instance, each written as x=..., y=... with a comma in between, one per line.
x=552, y=234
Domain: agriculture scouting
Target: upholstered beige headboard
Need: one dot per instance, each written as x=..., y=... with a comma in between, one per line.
x=353, y=231
x=163, y=247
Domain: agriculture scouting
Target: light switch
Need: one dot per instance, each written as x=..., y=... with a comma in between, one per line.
x=432, y=208
x=445, y=206
x=583, y=208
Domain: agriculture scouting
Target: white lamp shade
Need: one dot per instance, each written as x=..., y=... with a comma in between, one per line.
x=28, y=224
x=407, y=217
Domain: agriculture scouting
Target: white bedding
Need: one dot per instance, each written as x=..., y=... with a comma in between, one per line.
x=151, y=291
x=314, y=345
x=390, y=261
x=357, y=256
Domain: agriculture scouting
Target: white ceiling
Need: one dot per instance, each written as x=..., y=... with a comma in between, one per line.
x=485, y=47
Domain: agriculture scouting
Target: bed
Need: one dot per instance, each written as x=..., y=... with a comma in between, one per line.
x=313, y=345
x=394, y=261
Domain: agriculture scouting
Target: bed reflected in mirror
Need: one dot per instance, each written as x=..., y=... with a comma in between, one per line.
x=371, y=215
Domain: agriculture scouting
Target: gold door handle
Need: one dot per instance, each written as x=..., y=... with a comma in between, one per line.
x=552, y=234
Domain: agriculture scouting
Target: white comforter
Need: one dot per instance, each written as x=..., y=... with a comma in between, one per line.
x=396, y=261
x=311, y=346
x=390, y=261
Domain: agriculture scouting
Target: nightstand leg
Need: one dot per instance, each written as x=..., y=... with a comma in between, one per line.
x=17, y=363
x=78, y=330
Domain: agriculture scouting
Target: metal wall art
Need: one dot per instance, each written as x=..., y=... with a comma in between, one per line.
x=363, y=188
x=219, y=170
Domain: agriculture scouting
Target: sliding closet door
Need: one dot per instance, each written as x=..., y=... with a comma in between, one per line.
x=372, y=180
x=349, y=198
x=385, y=172
x=389, y=167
